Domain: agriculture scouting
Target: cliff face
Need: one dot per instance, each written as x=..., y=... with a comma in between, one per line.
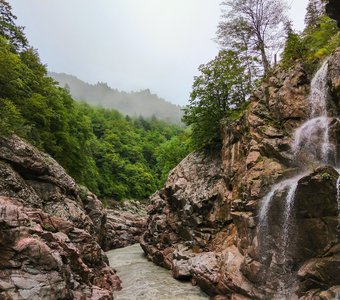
x=333, y=10
x=51, y=231
x=257, y=221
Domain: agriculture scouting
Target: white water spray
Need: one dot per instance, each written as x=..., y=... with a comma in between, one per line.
x=288, y=215
x=311, y=139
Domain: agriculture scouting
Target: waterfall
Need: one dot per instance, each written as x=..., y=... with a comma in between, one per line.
x=288, y=215
x=310, y=145
x=319, y=92
x=311, y=140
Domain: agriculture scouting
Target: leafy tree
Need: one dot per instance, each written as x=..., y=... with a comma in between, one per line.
x=319, y=39
x=294, y=47
x=13, y=33
x=253, y=28
x=219, y=90
x=315, y=9
x=171, y=152
x=10, y=118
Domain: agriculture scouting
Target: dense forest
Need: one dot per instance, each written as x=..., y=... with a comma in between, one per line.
x=115, y=156
x=133, y=104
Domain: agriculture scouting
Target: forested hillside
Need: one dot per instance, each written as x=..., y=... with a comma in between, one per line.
x=114, y=156
x=134, y=104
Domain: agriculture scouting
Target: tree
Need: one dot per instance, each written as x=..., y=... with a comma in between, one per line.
x=13, y=33
x=253, y=28
x=171, y=152
x=294, y=47
x=315, y=9
x=219, y=90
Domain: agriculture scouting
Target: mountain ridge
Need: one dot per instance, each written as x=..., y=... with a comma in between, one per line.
x=142, y=103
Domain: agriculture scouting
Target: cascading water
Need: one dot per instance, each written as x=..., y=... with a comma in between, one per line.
x=311, y=146
x=311, y=140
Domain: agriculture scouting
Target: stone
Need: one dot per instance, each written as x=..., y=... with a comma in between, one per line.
x=49, y=246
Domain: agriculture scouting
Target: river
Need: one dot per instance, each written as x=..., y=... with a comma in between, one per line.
x=141, y=279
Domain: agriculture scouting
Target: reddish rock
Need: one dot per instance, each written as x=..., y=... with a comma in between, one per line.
x=50, y=231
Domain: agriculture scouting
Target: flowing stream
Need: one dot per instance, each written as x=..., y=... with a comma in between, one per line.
x=311, y=146
x=142, y=279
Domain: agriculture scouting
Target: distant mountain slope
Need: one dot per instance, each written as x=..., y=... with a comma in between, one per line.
x=141, y=103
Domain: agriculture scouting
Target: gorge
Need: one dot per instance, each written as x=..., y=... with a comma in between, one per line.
x=253, y=214
x=260, y=220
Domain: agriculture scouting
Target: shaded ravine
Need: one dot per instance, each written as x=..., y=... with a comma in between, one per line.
x=141, y=279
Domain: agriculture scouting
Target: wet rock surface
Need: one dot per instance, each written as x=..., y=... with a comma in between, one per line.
x=125, y=224
x=51, y=230
x=203, y=225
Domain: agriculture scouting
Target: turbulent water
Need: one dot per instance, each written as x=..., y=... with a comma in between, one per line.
x=311, y=140
x=311, y=146
x=141, y=279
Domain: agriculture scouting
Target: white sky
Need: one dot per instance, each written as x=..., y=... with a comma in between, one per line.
x=130, y=44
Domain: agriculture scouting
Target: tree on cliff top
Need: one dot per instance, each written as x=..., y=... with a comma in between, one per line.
x=315, y=9
x=219, y=91
x=253, y=28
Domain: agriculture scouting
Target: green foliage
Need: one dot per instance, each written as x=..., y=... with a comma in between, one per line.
x=10, y=118
x=317, y=42
x=171, y=152
x=321, y=40
x=114, y=156
x=325, y=176
x=294, y=49
x=143, y=102
x=9, y=30
x=219, y=90
x=315, y=9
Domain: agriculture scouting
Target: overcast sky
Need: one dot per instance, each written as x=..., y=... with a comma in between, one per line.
x=130, y=44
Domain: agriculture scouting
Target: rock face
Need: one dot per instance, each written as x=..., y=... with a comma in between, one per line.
x=205, y=224
x=51, y=231
x=125, y=225
x=333, y=10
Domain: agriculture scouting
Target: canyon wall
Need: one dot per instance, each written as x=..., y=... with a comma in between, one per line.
x=220, y=220
x=51, y=230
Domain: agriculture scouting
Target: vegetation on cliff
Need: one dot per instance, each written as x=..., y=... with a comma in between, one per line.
x=318, y=40
x=113, y=155
x=251, y=34
x=218, y=92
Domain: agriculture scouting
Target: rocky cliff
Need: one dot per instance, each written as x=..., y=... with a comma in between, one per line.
x=260, y=219
x=51, y=231
x=333, y=10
